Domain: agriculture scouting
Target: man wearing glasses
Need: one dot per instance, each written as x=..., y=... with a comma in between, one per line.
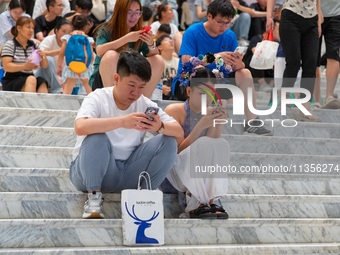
x=44, y=24
x=214, y=36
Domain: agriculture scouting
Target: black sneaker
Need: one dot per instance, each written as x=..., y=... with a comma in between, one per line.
x=255, y=129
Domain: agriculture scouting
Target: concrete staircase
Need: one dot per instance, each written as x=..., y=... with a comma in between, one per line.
x=295, y=212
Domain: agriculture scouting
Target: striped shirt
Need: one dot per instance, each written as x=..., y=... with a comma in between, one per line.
x=14, y=49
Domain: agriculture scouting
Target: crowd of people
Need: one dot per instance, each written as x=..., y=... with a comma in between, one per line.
x=120, y=57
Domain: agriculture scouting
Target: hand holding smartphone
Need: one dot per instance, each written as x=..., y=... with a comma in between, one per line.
x=241, y=50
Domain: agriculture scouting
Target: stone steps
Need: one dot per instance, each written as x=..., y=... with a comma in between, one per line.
x=36, y=117
x=40, y=233
x=57, y=180
x=231, y=249
x=37, y=136
x=65, y=137
x=61, y=157
x=40, y=101
x=289, y=213
x=51, y=205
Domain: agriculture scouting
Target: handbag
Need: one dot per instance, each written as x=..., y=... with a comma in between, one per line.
x=265, y=53
x=142, y=214
x=98, y=10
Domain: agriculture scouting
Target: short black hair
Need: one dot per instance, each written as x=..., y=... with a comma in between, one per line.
x=222, y=7
x=202, y=73
x=133, y=63
x=79, y=22
x=50, y=3
x=17, y=4
x=147, y=13
x=160, y=39
x=165, y=28
x=84, y=4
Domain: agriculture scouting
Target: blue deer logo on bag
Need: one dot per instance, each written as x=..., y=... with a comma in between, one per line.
x=143, y=224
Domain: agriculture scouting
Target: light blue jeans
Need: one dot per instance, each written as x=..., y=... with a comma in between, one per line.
x=95, y=168
x=50, y=75
x=242, y=26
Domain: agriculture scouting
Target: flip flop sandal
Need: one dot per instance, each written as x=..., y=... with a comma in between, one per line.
x=222, y=213
x=203, y=212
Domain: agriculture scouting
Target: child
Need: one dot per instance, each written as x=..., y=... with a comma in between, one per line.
x=70, y=78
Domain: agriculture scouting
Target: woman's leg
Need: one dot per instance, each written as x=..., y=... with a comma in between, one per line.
x=108, y=67
x=86, y=85
x=69, y=85
x=157, y=68
x=178, y=41
x=30, y=84
x=43, y=88
x=290, y=35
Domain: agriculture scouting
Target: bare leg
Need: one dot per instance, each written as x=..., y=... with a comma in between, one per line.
x=244, y=80
x=178, y=41
x=108, y=67
x=43, y=88
x=69, y=85
x=157, y=68
x=332, y=73
x=86, y=85
x=30, y=84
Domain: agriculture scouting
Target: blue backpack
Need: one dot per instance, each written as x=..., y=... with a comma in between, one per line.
x=78, y=52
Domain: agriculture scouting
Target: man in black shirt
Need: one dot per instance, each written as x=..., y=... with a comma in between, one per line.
x=46, y=23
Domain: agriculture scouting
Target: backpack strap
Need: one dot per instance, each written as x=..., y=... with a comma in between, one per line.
x=78, y=33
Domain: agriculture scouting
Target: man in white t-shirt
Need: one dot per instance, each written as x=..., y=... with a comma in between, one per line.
x=111, y=124
x=166, y=46
x=40, y=8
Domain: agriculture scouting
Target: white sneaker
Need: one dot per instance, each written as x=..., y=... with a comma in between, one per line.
x=93, y=208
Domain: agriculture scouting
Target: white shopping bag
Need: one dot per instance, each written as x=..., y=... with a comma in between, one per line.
x=265, y=53
x=143, y=215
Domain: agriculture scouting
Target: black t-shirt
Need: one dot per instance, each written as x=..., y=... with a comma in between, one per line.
x=42, y=25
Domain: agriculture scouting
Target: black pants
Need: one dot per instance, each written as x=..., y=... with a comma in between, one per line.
x=300, y=40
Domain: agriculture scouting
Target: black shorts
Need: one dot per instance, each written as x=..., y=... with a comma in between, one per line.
x=16, y=81
x=331, y=32
x=97, y=82
x=226, y=93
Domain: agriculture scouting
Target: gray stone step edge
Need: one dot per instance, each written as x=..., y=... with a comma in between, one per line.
x=325, y=248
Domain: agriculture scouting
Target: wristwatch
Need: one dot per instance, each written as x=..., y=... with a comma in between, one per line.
x=161, y=129
x=153, y=46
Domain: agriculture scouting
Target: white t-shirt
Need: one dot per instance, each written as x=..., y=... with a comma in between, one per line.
x=40, y=7
x=50, y=43
x=101, y=104
x=155, y=25
x=170, y=67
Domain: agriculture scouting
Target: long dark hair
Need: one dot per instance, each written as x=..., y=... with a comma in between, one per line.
x=20, y=23
x=203, y=73
x=117, y=25
x=161, y=8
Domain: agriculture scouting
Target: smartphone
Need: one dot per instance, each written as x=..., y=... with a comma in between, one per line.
x=150, y=110
x=146, y=29
x=217, y=109
x=241, y=50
